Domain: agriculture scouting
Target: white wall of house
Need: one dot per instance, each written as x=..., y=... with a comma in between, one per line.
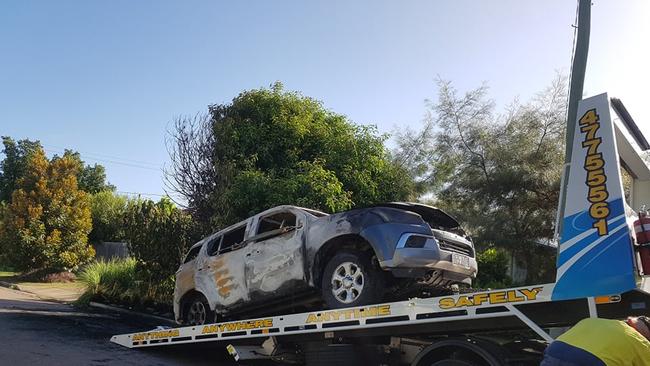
x=640, y=194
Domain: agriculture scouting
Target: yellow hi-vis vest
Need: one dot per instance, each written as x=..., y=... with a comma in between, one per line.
x=613, y=341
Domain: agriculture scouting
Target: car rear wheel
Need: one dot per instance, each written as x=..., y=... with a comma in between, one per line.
x=350, y=279
x=198, y=312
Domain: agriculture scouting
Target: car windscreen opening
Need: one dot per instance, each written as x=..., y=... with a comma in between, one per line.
x=192, y=254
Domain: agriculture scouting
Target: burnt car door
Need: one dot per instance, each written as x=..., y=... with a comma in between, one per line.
x=220, y=273
x=274, y=259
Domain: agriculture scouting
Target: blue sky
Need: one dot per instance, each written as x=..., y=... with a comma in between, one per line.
x=106, y=78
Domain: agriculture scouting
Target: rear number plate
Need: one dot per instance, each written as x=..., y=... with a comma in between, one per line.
x=460, y=260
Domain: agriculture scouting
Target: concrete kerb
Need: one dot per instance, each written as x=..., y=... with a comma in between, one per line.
x=118, y=309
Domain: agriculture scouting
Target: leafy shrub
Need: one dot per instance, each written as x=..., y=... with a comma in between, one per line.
x=492, y=269
x=158, y=234
x=107, y=211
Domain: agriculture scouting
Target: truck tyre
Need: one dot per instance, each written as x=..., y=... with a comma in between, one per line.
x=350, y=279
x=197, y=311
x=341, y=354
x=452, y=362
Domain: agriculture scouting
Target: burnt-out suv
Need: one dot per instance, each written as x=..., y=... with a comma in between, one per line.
x=288, y=255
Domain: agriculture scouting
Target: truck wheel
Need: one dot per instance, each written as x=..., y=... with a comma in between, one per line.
x=451, y=362
x=198, y=312
x=350, y=279
x=342, y=354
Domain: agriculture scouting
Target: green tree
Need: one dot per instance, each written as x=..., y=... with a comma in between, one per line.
x=45, y=226
x=108, y=211
x=271, y=147
x=14, y=164
x=4, y=261
x=90, y=178
x=158, y=234
x=493, y=265
x=499, y=174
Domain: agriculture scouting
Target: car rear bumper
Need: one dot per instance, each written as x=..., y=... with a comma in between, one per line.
x=177, y=310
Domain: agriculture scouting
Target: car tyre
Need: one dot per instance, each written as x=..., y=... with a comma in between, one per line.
x=197, y=311
x=350, y=279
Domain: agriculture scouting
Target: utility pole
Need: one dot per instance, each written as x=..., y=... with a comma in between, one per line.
x=575, y=94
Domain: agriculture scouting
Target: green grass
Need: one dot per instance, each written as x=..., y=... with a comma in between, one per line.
x=118, y=282
x=112, y=281
x=8, y=275
x=62, y=285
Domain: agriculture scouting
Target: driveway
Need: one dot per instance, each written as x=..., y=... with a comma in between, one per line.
x=36, y=332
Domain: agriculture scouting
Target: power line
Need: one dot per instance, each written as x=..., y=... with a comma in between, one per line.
x=141, y=194
x=140, y=162
x=109, y=161
x=126, y=162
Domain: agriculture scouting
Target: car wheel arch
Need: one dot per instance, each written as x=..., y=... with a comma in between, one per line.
x=188, y=296
x=331, y=247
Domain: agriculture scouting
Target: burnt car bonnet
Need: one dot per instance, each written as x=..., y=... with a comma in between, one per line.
x=428, y=213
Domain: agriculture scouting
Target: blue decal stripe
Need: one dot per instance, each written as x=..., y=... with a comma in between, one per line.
x=610, y=272
x=569, y=243
x=605, y=247
x=564, y=267
x=569, y=249
x=570, y=230
x=580, y=222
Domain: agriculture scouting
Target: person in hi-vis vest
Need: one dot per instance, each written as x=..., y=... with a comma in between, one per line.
x=600, y=342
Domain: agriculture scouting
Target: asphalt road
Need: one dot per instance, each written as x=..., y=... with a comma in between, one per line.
x=35, y=332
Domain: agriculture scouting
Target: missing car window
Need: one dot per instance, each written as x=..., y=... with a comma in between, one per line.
x=213, y=245
x=232, y=238
x=276, y=221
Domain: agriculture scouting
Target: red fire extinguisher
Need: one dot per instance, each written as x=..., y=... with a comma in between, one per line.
x=642, y=230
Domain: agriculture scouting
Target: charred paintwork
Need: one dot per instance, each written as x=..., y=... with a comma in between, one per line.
x=184, y=280
x=281, y=262
x=224, y=284
x=273, y=262
x=222, y=278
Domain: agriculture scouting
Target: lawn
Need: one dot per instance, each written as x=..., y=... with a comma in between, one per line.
x=76, y=285
x=5, y=275
x=59, y=291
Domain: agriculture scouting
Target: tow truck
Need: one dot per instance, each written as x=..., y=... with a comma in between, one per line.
x=600, y=273
x=603, y=270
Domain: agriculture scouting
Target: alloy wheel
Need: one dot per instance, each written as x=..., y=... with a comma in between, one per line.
x=197, y=313
x=347, y=282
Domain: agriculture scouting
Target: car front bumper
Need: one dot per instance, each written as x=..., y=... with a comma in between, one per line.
x=430, y=256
